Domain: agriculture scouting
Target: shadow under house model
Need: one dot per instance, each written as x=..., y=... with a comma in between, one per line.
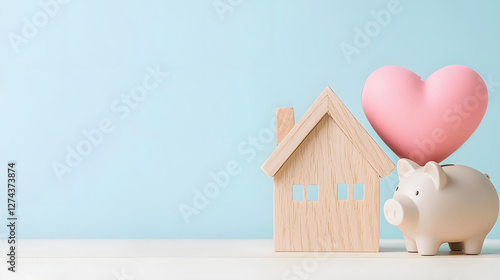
x=326, y=154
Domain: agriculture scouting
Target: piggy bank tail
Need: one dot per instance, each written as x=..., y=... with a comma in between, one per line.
x=487, y=176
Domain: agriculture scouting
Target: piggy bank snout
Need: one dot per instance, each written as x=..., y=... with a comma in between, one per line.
x=393, y=212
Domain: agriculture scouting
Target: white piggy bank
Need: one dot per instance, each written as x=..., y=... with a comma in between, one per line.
x=436, y=204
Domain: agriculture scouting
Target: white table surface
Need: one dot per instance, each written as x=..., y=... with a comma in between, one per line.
x=151, y=259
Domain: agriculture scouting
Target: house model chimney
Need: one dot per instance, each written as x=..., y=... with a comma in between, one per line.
x=285, y=121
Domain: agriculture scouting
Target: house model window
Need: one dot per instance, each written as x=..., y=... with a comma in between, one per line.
x=357, y=192
x=298, y=193
x=342, y=191
x=312, y=193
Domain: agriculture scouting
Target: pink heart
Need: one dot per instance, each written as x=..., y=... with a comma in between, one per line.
x=424, y=120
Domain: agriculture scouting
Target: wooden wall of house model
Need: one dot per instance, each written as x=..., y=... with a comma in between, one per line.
x=325, y=155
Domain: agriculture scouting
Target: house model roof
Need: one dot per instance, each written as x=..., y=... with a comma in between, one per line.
x=329, y=103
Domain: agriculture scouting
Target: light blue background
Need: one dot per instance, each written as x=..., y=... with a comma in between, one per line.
x=226, y=77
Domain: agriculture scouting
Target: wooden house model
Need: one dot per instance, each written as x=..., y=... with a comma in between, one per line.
x=326, y=171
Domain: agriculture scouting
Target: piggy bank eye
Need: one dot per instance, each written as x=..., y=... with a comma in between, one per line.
x=397, y=188
x=416, y=193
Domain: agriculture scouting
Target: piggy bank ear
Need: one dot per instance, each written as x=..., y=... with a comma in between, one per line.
x=437, y=174
x=405, y=166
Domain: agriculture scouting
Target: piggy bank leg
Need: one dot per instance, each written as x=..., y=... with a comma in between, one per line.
x=474, y=245
x=411, y=246
x=456, y=246
x=427, y=246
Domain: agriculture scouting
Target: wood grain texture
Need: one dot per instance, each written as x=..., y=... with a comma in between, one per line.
x=326, y=157
x=358, y=135
x=329, y=103
x=285, y=120
x=293, y=139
